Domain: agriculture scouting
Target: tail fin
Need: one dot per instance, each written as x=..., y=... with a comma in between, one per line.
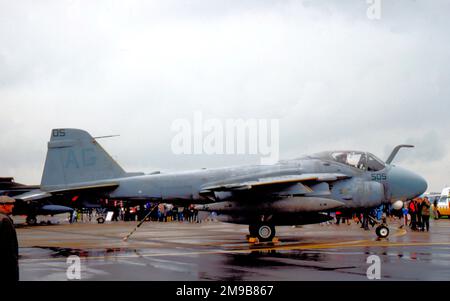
x=73, y=156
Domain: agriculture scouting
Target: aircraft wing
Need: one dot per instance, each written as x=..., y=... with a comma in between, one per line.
x=272, y=181
x=38, y=194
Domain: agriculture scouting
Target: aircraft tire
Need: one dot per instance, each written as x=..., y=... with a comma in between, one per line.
x=265, y=232
x=100, y=220
x=382, y=231
x=31, y=220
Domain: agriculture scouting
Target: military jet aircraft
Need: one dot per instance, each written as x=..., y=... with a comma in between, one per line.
x=28, y=208
x=292, y=192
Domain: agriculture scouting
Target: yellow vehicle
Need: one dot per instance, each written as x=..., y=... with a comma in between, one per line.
x=443, y=206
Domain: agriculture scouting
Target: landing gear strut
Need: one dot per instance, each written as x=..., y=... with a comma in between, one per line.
x=264, y=231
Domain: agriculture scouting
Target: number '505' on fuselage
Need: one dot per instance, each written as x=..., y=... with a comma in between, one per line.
x=291, y=192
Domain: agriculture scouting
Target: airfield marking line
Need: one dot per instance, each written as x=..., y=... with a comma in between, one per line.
x=400, y=232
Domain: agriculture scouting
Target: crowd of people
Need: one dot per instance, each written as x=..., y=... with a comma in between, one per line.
x=415, y=214
x=121, y=211
x=419, y=211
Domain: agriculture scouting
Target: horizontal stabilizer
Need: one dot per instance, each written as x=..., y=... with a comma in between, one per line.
x=33, y=195
x=39, y=194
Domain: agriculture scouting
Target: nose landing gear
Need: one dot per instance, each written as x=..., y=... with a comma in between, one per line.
x=382, y=229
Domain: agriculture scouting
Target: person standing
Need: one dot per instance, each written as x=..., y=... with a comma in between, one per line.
x=419, y=213
x=405, y=215
x=9, y=248
x=426, y=214
x=412, y=209
x=435, y=210
x=365, y=219
x=338, y=217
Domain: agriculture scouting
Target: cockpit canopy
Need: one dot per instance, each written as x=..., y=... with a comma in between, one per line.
x=361, y=160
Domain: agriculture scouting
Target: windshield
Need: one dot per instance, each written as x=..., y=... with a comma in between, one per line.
x=354, y=159
x=358, y=160
x=374, y=164
x=443, y=199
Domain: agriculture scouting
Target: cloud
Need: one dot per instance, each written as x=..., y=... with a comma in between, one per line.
x=334, y=78
x=429, y=147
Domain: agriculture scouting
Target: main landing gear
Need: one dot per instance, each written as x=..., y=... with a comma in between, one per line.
x=263, y=232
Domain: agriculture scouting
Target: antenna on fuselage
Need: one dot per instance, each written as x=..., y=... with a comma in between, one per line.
x=395, y=151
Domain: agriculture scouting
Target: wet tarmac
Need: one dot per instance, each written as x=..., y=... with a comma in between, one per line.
x=219, y=251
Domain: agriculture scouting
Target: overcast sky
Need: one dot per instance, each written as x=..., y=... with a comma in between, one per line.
x=333, y=77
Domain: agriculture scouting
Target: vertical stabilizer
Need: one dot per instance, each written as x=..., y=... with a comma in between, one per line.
x=74, y=156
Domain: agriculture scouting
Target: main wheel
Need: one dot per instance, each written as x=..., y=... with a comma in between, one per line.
x=265, y=232
x=31, y=220
x=382, y=231
x=100, y=220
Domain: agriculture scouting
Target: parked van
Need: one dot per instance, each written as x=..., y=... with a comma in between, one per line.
x=443, y=206
x=432, y=196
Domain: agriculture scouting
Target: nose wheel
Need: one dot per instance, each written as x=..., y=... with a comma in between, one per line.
x=382, y=229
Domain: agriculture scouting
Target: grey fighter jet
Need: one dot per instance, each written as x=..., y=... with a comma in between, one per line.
x=292, y=192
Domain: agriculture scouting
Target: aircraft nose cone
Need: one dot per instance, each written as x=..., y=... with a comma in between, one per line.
x=421, y=185
x=405, y=184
